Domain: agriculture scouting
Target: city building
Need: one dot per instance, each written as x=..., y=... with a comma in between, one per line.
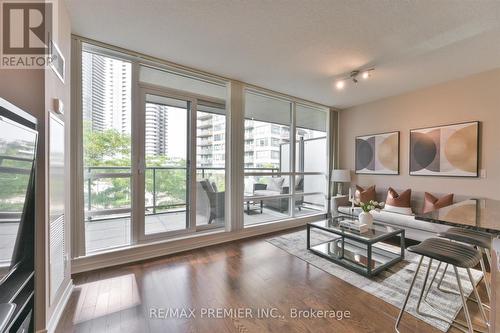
x=250, y=166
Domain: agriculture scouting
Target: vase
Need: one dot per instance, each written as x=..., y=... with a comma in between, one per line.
x=366, y=218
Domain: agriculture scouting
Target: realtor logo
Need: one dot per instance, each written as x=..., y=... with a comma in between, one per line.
x=26, y=33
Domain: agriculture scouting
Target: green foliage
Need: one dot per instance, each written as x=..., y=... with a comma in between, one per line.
x=110, y=148
x=106, y=148
x=372, y=205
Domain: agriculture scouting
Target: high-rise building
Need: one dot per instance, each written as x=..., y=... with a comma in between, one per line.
x=211, y=140
x=106, y=89
x=262, y=142
x=94, y=90
x=156, y=130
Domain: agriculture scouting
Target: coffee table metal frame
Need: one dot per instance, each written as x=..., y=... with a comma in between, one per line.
x=346, y=235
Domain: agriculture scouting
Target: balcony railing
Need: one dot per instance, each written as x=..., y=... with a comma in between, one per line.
x=93, y=174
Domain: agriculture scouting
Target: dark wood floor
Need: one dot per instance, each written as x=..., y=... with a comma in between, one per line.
x=245, y=274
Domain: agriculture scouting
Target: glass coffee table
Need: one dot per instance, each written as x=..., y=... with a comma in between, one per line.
x=362, y=252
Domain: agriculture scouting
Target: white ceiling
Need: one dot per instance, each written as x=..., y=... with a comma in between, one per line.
x=301, y=47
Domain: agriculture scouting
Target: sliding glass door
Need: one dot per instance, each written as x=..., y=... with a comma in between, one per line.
x=153, y=152
x=166, y=158
x=164, y=171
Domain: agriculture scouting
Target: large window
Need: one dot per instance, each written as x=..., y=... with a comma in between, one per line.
x=274, y=190
x=170, y=165
x=311, y=160
x=156, y=142
x=106, y=111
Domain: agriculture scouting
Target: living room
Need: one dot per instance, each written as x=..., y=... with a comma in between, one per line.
x=257, y=166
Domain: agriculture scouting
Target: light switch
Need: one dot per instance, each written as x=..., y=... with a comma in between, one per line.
x=58, y=106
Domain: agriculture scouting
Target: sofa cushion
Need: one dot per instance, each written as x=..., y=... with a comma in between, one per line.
x=408, y=221
x=365, y=195
x=400, y=221
x=398, y=210
x=432, y=203
x=275, y=184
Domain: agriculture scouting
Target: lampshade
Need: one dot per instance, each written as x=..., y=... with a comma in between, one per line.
x=341, y=176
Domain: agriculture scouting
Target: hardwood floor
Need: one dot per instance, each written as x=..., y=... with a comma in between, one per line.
x=245, y=274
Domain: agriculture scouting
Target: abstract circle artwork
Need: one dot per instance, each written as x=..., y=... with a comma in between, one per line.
x=378, y=154
x=445, y=151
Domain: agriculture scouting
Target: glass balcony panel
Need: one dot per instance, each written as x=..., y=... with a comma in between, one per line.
x=310, y=204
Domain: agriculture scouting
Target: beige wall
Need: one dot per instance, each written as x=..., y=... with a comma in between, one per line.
x=475, y=97
x=32, y=90
x=25, y=88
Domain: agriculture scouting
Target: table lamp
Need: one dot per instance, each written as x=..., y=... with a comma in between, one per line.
x=341, y=176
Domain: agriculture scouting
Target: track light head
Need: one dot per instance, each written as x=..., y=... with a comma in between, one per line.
x=365, y=74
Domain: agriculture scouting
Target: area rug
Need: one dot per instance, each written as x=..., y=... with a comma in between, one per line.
x=390, y=285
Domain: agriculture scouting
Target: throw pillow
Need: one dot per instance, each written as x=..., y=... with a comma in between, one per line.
x=432, y=203
x=398, y=203
x=365, y=195
x=275, y=184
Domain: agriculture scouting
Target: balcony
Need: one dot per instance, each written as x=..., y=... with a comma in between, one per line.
x=204, y=124
x=108, y=207
x=205, y=133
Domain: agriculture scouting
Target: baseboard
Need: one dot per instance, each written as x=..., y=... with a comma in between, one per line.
x=59, y=309
x=129, y=255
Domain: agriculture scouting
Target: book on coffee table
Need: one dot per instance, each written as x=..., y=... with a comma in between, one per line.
x=354, y=225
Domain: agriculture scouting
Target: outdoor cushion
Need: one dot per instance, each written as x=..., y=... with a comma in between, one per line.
x=275, y=184
x=207, y=186
x=266, y=193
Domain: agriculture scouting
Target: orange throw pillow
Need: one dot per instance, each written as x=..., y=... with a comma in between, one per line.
x=364, y=196
x=398, y=200
x=432, y=203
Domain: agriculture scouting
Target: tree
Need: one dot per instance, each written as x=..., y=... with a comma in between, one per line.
x=105, y=148
x=109, y=148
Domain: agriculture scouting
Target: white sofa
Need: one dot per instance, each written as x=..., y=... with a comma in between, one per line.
x=414, y=229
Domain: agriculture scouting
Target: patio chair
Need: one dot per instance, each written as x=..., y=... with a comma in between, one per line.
x=209, y=202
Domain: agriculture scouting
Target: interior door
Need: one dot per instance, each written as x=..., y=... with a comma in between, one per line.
x=165, y=168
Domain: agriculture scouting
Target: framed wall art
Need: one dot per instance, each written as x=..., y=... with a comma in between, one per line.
x=451, y=150
x=378, y=154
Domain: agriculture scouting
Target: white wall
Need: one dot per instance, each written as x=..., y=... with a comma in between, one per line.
x=55, y=88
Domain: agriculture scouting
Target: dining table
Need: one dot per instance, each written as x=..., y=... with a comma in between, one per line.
x=481, y=215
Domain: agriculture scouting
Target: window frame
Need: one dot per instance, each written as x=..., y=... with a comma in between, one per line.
x=138, y=89
x=292, y=173
x=234, y=153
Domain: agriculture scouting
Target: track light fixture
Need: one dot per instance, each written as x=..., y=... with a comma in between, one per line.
x=364, y=74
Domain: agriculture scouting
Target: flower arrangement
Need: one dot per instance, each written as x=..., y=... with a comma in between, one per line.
x=371, y=205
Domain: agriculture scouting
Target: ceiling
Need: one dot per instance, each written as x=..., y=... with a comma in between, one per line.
x=302, y=47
